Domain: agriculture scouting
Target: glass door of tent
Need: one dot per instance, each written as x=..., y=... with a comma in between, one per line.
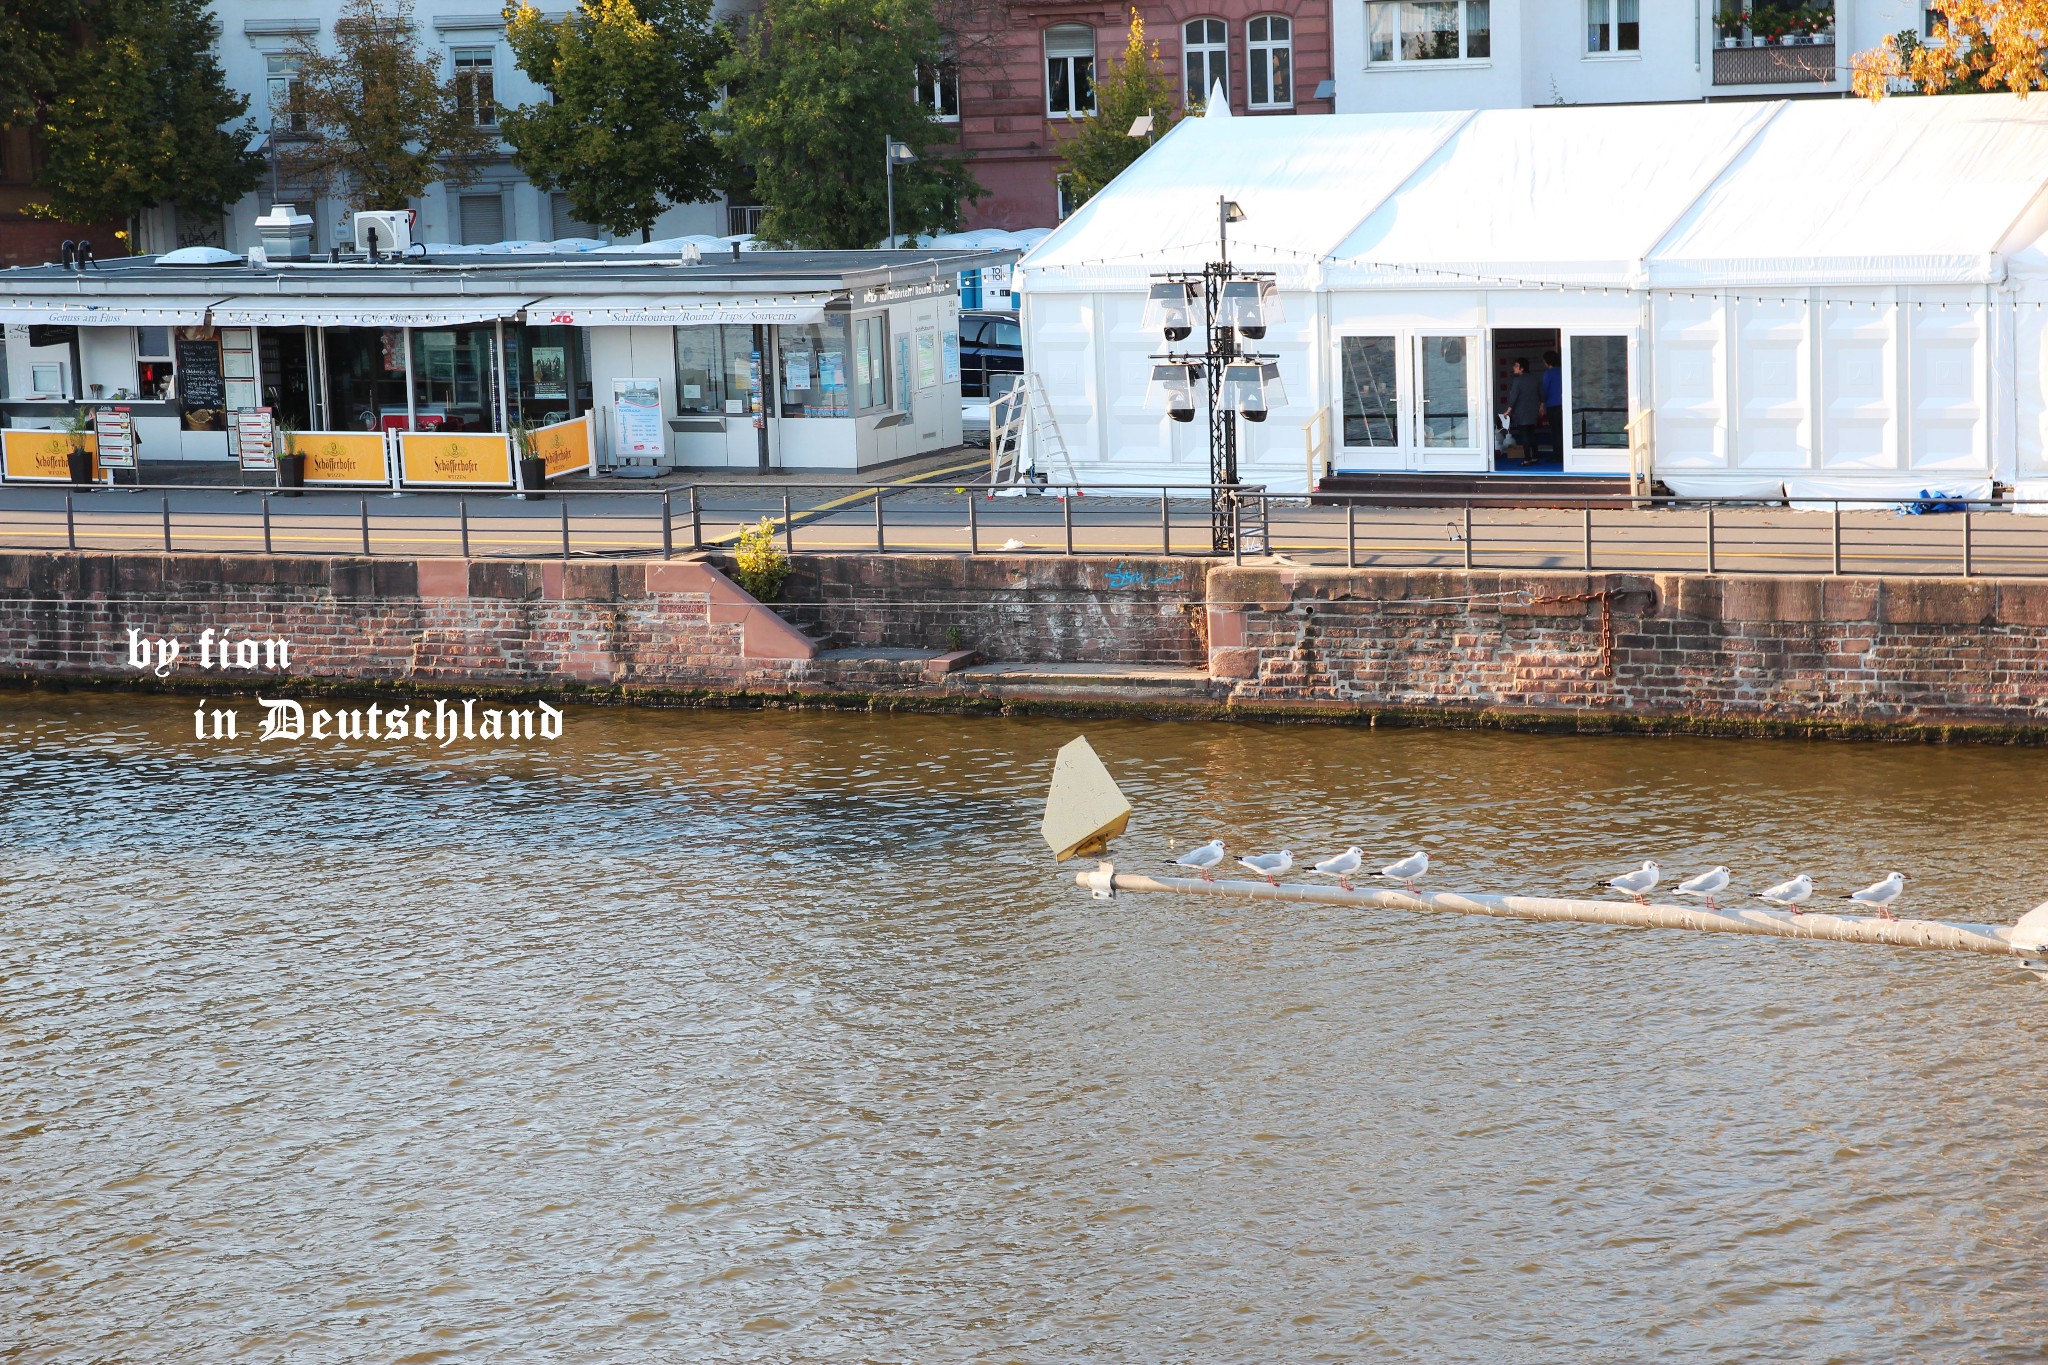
x=1452, y=431
x=1597, y=409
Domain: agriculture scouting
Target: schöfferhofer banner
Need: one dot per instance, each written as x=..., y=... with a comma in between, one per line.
x=564, y=447
x=42, y=456
x=428, y=459
x=342, y=457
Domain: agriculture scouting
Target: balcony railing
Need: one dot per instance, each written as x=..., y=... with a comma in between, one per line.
x=1779, y=64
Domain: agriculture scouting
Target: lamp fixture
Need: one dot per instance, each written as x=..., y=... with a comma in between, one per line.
x=1252, y=389
x=1173, y=388
x=1169, y=307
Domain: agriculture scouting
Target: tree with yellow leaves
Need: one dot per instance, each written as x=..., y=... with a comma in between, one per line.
x=1975, y=44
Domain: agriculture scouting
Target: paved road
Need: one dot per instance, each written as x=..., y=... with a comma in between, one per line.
x=945, y=517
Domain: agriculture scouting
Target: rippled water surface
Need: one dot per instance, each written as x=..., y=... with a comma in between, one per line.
x=763, y=1037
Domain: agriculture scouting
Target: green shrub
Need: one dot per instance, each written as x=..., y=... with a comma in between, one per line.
x=760, y=565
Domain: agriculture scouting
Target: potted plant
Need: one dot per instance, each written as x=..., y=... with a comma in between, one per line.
x=291, y=464
x=1731, y=18
x=78, y=460
x=533, y=470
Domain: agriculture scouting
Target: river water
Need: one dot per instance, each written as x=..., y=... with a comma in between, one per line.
x=744, y=1037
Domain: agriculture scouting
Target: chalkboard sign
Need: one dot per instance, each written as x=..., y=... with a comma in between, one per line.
x=199, y=379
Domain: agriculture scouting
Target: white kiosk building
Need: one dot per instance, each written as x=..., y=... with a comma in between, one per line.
x=1819, y=298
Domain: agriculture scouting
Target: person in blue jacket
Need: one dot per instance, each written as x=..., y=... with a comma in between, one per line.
x=1553, y=404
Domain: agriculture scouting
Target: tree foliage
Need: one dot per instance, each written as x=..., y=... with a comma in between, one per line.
x=1136, y=84
x=37, y=34
x=1976, y=44
x=380, y=123
x=816, y=88
x=140, y=114
x=624, y=133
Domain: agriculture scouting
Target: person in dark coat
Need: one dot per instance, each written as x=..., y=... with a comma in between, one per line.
x=1524, y=410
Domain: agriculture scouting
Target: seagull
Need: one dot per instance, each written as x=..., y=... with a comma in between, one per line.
x=1636, y=885
x=1342, y=866
x=1203, y=859
x=1407, y=870
x=1268, y=865
x=1789, y=894
x=1706, y=884
x=1882, y=894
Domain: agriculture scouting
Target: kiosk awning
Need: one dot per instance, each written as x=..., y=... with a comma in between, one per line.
x=397, y=311
x=629, y=310
x=96, y=313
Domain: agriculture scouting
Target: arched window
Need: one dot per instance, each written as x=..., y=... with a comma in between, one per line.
x=1069, y=71
x=1207, y=55
x=1269, y=60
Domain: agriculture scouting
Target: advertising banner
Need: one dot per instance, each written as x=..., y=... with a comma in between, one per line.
x=115, y=430
x=637, y=430
x=428, y=459
x=342, y=457
x=40, y=456
x=565, y=447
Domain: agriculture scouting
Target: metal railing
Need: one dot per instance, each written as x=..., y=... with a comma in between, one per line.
x=1615, y=532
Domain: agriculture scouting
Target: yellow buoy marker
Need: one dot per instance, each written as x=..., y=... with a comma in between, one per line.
x=1084, y=808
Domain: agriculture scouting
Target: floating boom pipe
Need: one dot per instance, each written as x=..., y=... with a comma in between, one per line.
x=2026, y=938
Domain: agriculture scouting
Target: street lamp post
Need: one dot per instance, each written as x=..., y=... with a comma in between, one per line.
x=894, y=154
x=1237, y=305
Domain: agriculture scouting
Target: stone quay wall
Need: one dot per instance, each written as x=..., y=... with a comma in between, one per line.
x=1650, y=651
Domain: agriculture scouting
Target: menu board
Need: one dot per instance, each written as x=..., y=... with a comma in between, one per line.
x=253, y=438
x=636, y=419
x=202, y=390
x=115, y=428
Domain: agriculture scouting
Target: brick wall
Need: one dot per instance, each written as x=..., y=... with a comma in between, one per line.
x=1623, y=648
x=1042, y=609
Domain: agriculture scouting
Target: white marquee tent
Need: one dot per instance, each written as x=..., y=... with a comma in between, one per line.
x=1830, y=298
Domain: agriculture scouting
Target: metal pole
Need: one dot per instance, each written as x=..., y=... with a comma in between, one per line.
x=889, y=181
x=363, y=509
x=71, y=525
x=462, y=519
x=668, y=527
x=696, y=521
x=1165, y=525
x=565, y=528
x=1969, y=557
x=1587, y=512
x=1836, y=528
x=1350, y=535
x=880, y=547
x=1710, y=537
x=266, y=523
x=412, y=407
x=1236, y=546
x=788, y=527
x=973, y=526
x=1468, y=533
x=504, y=381
x=167, y=523
x=1067, y=518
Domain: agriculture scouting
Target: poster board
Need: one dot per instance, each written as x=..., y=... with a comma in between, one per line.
x=41, y=456
x=202, y=388
x=433, y=460
x=254, y=438
x=114, y=432
x=637, y=430
x=342, y=457
x=565, y=447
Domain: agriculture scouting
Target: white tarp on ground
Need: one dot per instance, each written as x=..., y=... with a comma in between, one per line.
x=1575, y=195
x=1303, y=189
x=1907, y=191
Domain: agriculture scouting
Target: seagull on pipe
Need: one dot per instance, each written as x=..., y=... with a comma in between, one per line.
x=1788, y=895
x=1342, y=866
x=1268, y=865
x=1882, y=894
x=1706, y=884
x=1408, y=871
x=1204, y=859
x=1637, y=884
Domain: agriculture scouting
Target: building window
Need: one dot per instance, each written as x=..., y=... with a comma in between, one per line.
x=871, y=362
x=1269, y=61
x=563, y=222
x=938, y=89
x=1067, y=204
x=715, y=369
x=1428, y=31
x=281, y=80
x=483, y=218
x=1070, y=71
x=1207, y=57
x=1611, y=26
x=475, y=93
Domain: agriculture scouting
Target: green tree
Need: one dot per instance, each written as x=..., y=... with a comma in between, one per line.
x=816, y=87
x=624, y=133
x=1134, y=85
x=379, y=121
x=38, y=32
x=141, y=114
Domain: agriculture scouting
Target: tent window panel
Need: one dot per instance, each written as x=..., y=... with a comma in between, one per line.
x=1269, y=59
x=1599, y=393
x=1445, y=367
x=1207, y=57
x=1371, y=391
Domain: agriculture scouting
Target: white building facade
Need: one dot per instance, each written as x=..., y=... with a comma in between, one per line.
x=1503, y=54
x=255, y=53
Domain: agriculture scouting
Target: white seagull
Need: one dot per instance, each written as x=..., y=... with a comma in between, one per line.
x=1342, y=866
x=1882, y=894
x=1637, y=884
x=1789, y=894
x=1203, y=859
x=1408, y=871
x=1706, y=884
x=1268, y=865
